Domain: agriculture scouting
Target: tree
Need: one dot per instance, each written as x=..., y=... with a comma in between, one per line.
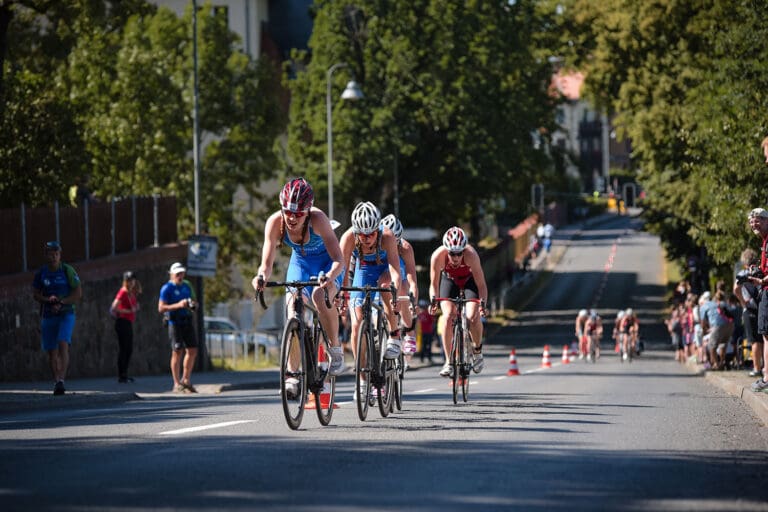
x=688, y=85
x=453, y=94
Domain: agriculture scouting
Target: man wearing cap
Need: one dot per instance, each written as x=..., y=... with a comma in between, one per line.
x=758, y=223
x=177, y=301
x=56, y=286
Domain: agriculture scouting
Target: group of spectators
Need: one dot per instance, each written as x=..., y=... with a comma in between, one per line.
x=729, y=328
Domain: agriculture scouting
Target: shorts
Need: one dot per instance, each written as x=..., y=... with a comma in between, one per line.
x=720, y=335
x=182, y=335
x=762, y=313
x=449, y=289
x=303, y=268
x=749, y=320
x=367, y=274
x=55, y=329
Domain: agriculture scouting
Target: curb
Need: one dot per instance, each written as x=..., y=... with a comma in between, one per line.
x=758, y=402
x=755, y=401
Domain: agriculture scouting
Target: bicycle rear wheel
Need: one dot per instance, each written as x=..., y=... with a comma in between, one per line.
x=293, y=382
x=324, y=398
x=363, y=372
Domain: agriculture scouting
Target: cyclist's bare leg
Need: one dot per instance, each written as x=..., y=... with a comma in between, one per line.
x=355, y=319
x=405, y=313
x=293, y=357
x=389, y=310
x=448, y=310
x=329, y=317
x=472, y=310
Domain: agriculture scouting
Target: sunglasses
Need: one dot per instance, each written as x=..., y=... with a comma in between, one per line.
x=366, y=236
x=298, y=215
x=455, y=254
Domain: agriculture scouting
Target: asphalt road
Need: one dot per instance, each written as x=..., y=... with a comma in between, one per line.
x=604, y=436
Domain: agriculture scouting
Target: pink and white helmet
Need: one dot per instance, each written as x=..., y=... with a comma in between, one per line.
x=455, y=240
x=297, y=196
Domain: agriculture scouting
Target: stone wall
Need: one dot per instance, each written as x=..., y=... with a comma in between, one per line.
x=94, y=343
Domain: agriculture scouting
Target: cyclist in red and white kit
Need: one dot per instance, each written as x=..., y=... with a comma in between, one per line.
x=455, y=266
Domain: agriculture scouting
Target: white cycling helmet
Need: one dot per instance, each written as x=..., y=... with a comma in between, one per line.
x=455, y=240
x=583, y=313
x=620, y=315
x=365, y=218
x=393, y=224
x=629, y=312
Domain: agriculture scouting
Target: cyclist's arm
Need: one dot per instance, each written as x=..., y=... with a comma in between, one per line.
x=347, y=245
x=271, y=234
x=322, y=227
x=389, y=244
x=434, y=271
x=410, y=269
x=473, y=260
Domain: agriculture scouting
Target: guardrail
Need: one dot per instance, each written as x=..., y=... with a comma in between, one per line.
x=242, y=345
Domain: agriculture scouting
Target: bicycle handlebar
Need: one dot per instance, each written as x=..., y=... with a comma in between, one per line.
x=291, y=284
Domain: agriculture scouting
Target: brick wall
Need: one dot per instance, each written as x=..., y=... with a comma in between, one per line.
x=94, y=342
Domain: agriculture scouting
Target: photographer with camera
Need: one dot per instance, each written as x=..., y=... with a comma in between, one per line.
x=748, y=294
x=758, y=223
x=176, y=304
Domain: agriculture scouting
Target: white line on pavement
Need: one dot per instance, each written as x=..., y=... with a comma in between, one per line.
x=203, y=427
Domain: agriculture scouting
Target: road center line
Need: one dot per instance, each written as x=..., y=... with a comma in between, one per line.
x=203, y=427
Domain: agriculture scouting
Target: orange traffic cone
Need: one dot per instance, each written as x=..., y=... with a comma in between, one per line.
x=566, y=356
x=325, y=394
x=545, y=362
x=512, y=364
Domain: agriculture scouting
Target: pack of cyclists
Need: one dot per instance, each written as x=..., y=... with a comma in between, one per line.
x=589, y=333
x=371, y=252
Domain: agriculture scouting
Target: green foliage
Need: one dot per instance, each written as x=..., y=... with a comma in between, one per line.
x=688, y=81
x=116, y=103
x=453, y=93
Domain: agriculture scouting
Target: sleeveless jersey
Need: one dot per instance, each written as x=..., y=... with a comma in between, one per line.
x=459, y=274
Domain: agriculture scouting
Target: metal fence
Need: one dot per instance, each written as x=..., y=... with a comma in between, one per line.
x=95, y=230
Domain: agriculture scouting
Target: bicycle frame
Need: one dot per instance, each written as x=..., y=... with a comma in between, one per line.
x=461, y=355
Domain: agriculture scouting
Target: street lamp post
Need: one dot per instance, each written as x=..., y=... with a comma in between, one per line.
x=351, y=92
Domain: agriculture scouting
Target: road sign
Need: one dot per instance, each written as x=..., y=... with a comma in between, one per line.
x=201, y=255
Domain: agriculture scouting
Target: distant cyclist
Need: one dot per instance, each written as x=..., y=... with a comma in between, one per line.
x=456, y=266
x=593, y=328
x=616, y=328
x=373, y=248
x=407, y=278
x=581, y=319
x=314, y=250
x=630, y=330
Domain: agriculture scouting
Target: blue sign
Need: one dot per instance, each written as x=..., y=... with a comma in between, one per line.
x=201, y=256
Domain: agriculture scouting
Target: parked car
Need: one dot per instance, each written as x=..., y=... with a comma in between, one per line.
x=219, y=328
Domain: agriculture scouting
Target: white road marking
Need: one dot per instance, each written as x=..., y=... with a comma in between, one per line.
x=425, y=390
x=203, y=427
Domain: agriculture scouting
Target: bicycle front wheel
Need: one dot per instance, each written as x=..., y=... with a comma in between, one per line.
x=455, y=363
x=466, y=366
x=293, y=382
x=363, y=372
x=325, y=396
x=387, y=387
x=398, y=391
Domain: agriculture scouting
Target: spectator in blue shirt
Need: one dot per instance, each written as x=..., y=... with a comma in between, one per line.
x=177, y=301
x=56, y=286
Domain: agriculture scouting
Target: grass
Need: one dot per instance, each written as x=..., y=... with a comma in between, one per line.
x=242, y=364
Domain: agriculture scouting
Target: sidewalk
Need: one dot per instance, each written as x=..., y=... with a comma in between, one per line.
x=19, y=396
x=738, y=384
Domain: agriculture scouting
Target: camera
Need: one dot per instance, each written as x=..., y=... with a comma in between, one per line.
x=744, y=275
x=191, y=304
